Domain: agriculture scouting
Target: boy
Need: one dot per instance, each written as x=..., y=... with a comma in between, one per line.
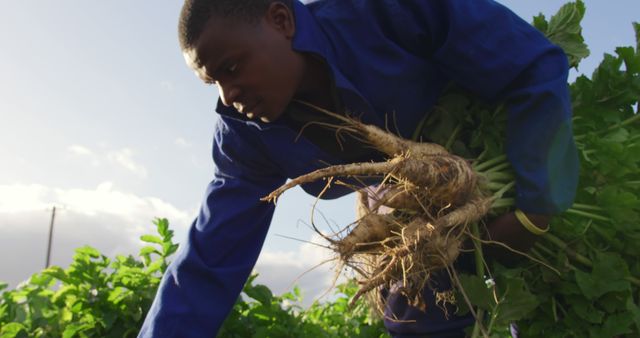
x=369, y=57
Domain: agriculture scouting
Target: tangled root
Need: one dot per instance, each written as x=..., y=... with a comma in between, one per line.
x=434, y=196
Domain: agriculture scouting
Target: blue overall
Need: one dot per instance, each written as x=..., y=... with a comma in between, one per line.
x=386, y=57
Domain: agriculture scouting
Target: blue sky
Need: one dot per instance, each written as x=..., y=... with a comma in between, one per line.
x=101, y=117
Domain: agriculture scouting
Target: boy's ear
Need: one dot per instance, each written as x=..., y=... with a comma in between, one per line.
x=280, y=17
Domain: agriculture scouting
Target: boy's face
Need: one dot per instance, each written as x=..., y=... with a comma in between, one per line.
x=253, y=65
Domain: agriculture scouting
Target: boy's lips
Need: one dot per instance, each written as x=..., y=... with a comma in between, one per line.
x=247, y=109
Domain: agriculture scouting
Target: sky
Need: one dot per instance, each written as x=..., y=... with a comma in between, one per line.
x=100, y=117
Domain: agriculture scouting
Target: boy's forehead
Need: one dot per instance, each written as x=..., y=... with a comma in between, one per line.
x=219, y=37
x=191, y=58
x=193, y=63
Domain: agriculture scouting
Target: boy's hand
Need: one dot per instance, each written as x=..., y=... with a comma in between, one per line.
x=508, y=230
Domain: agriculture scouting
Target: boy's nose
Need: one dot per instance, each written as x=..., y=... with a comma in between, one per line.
x=228, y=94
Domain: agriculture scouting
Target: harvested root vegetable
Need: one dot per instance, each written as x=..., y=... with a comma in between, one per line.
x=448, y=179
x=368, y=233
x=434, y=196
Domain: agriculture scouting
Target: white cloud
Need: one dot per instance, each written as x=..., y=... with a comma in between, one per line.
x=124, y=158
x=104, y=199
x=79, y=150
x=106, y=218
x=20, y=198
x=182, y=142
x=112, y=220
x=309, y=266
x=82, y=151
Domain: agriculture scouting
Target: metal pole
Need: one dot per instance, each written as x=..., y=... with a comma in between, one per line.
x=53, y=216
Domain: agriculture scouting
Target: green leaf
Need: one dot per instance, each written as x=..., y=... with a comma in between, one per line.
x=155, y=266
x=564, y=30
x=260, y=293
x=64, y=292
x=635, y=310
x=162, y=225
x=476, y=290
x=636, y=28
x=585, y=310
x=58, y=273
x=71, y=329
x=3, y=286
x=13, y=330
x=618, y=136
x=89, y=251
x=540, y=22
x=151, y=239
x=620, y=204
x=568, y=17
x=631, y=59
x=167, y=248
x=41, y=279
x=146, y=258
x=614, y=326
x=149, y=250
x=172, y=250
x=117, y=294
x=575, y=50
x=608, y=274
x=250, y=280
x=516, y=300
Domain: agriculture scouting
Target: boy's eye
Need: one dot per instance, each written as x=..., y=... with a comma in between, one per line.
x=232, y=68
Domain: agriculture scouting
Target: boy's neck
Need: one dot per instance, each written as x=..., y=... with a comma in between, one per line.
x=317, y=84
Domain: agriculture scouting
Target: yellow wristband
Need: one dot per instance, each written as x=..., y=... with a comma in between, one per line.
x=527, y=224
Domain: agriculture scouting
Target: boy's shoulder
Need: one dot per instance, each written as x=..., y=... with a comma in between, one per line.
x=383, y=12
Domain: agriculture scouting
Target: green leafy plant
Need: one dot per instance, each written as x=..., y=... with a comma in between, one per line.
x=266, y=315
x=582, y=278
x=101, y=297
x=94, y=297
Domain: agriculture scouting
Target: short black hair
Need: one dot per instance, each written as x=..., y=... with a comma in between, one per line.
x=195, y=14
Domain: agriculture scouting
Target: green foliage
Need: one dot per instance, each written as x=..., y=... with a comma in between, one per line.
x=94, y=297
x=564, y=30
x=101, y=297
x=339, y=320
x=584, y=281
x=266, y=315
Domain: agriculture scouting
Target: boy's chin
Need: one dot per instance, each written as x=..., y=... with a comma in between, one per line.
x=269, y=117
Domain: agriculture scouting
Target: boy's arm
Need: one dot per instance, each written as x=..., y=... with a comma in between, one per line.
x=203, y=282
x=484, y=47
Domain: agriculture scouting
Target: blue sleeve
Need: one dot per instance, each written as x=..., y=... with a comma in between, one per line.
x=207, y=275
x=487, y=49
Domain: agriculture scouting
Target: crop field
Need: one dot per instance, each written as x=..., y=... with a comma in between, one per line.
x=581, y=279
